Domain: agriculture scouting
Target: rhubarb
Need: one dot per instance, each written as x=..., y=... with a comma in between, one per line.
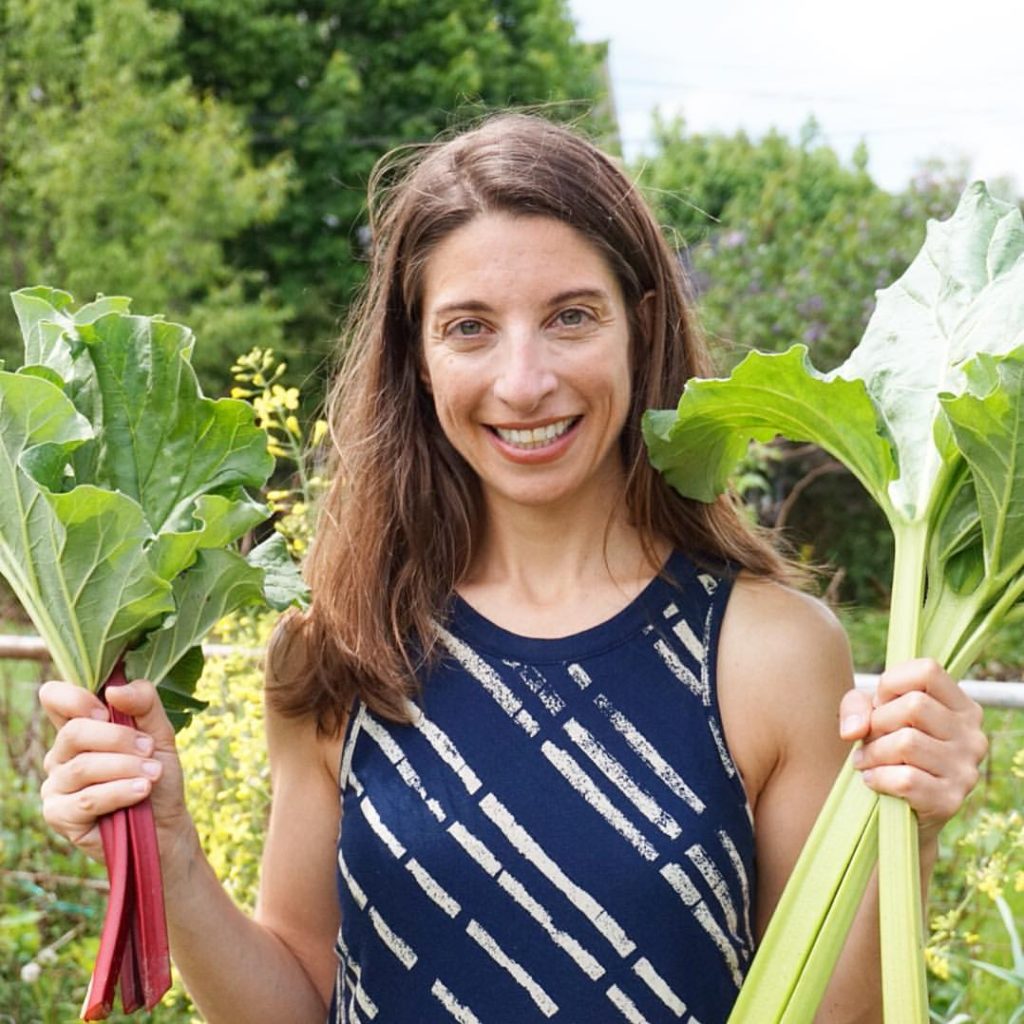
x=123, y=498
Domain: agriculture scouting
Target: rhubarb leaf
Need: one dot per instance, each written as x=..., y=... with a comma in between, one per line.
x=75, y=560
x=993, y=408
x=218, y=583
x=162, y=442
x=283, y=586
x=698, y=445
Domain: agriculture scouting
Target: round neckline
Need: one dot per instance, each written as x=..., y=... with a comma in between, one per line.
x=487, y=636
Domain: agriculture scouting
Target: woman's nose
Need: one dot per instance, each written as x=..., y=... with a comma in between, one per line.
x=525, y=376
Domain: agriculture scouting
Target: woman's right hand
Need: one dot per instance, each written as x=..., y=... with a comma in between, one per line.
x=95, y=766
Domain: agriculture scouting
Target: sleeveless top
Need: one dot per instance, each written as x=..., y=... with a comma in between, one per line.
x=561, y=835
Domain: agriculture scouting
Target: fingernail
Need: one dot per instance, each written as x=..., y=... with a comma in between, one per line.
x=151, y=768
x=100, y=714
x=140, y=785
x=867, y=775
x=851, y=723
x=858, y=757
x=144, y=744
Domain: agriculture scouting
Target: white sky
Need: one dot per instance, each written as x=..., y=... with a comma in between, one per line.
x=912, y=78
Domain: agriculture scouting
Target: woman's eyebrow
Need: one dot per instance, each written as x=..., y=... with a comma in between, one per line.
x=479, y=306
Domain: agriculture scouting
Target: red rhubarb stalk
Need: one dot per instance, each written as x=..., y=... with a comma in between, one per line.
x=133, y=944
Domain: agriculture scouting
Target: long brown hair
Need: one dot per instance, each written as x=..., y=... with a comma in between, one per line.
x=397, y=529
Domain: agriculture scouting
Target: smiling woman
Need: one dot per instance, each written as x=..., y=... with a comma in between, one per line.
x=552, y=733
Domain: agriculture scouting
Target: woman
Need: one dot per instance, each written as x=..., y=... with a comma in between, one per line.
x=566, y=711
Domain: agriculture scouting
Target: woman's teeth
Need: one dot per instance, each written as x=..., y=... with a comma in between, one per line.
x=537, y=437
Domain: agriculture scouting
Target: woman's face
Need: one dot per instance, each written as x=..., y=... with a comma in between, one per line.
x=526, y=353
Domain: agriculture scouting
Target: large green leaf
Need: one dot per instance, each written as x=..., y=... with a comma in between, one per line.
x=698, y=445
x=162, y=442
x=218, y=583
x=963, y=294
x=76, y=560
x=219, y=520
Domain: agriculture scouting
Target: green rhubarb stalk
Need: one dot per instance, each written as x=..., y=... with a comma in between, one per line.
x=904, y=986
x=828, y=945
x=804, y=907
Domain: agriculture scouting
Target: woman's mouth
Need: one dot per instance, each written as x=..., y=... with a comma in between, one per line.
x=536, y=437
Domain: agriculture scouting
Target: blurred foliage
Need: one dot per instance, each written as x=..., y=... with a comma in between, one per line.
x=116, y=176
x=783, y=241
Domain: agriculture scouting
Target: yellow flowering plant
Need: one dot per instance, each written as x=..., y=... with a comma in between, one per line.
x=258, y=377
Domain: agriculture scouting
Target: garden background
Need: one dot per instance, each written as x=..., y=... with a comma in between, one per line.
x=209, y=158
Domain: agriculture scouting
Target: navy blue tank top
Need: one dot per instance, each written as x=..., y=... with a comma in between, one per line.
x=561, y=835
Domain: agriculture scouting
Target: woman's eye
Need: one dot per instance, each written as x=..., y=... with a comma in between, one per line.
x=572, y=317
x=468, y=328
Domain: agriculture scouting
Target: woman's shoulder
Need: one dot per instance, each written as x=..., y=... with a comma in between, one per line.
x=783, y=666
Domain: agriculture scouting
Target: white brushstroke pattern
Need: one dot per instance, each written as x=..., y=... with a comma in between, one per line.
x=670, y=610
x=386, y=836
x=680, y=881
x=579, y=675
x=489, y=945
x=709, y=583
x=645, y=750
x=716, y=883
x=353, y=886
x=460, y=1013
x=394, y=753
x=485, y=675
x=578, y=897
x=572, y=771
x=366, y=1004
x=705, y=662
x=583, y=959
x=357, y=786
x=689, y=640
x=659, y=986
x=678, y=669
x=402, y=950
x=741, y=873
x=476, y=848
x=721, y=940
x=534, y=680
x=615, y=771
x=346, y=756
x=433, y=888
x=448, y=752
x=625, y=1005
x=723, y=752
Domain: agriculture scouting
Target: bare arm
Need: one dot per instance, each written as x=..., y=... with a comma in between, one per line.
x=271, y=968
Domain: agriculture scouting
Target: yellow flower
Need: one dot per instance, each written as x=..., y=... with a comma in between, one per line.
x=319, y=432
x=241, y=393
x=292, y=425
x=937, y=962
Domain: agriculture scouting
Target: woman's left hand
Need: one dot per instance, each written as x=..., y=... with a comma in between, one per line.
x=922, y=740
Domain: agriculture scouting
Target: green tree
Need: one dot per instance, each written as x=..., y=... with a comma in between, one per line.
x=785, y=242
x=115, y=176
x=335, y=83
